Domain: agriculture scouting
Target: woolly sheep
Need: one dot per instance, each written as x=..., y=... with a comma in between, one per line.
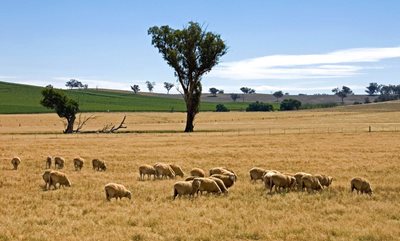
x=46, y=178
x=59, y=162
x=256, y=173
x=222, y=170
x=220, y=184
x=99, y=165
x=60, y=178
x=228, y=179
x=267, y=178
x=114, y=190
x=281, y=181
x=48, y=162
x=298, y=177
x=311, y=183
x=177, y=169
x=207, y=184
x=15, y=162
x=324, y=180
x=197, y=172
x=164, y=170
x=360, y=185
x=147, y=170
x=185, y=188
x=78, y=163
x=190, y=178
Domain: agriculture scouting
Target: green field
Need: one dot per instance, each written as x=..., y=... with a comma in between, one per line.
x=17, y=98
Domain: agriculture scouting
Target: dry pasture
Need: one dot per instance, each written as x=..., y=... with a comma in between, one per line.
x=81, y=212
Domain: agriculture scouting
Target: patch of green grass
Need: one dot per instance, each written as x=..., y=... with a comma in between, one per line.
x=17, y=98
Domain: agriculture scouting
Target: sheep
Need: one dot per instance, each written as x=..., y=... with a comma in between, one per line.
x=78, y=163
x=60, y=178
x=267, y=177
x=48, y=162
x=59, y=162
x=222, y=170
x=360, y=185
x=281, y=181
x=147, y=170
x=311, y=183
x=185, y=188
x=197, y=172
x=99, y=165
x=15, y=162
x=220, y=184
x=177, y=169
x=228, y=179
x=207, y=184
x=46, y=178
x=256, y=173
x=190, y=178
x=298, y=177
x=114, y=190
x=164, y=170
x=324, y=180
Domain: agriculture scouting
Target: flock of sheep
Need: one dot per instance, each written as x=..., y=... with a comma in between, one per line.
x=220, y=179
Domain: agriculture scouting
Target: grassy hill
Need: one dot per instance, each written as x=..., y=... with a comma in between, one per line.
x=17, y=98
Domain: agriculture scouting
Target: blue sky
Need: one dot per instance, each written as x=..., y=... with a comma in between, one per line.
x=294, y=46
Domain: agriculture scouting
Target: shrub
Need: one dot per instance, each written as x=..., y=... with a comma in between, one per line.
x=221, y=108
x=290, y=104
x=259, y=106
x=318, y=106
x=357, y=103
x=367, y=100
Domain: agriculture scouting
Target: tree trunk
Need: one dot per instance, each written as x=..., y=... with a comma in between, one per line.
x=70, y=125
x=191, y=113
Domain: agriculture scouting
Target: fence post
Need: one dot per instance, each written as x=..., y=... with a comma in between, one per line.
x=369, y=129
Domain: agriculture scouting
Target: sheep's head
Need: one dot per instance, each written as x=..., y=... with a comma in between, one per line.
x=68, y=184
x=196, y=184
x=330, y=179
x=128, y=195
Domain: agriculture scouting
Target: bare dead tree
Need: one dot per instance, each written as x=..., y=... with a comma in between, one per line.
x=110, y=128
x=83, y=121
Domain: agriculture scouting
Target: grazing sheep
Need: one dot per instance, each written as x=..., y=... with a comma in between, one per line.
x=190, y=178
x=197, y=172
x=220, y=184
x=46, y=178
x=147, y=170
x=164, y=170
x=59, y=162
x=311, y=183
x=360, y=185
x=78, y=163
x=207, y=184
x=99, y=165
x=177, y=169
x=114, y=190
x=324, y=180
x=15, y=162
x=298, y=177
x=222, y=170
x=281, y=181
x=60, y=178
x=185, y=188
x=256, y=173
x=267, y=177
x=228, y=179
x=48, y=162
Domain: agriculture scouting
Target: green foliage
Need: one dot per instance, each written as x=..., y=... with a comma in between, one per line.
x=168, y=86
x=373, y=89
x=234, y=97
x=221, y=108
x=259, y=106
x=213, y=91
x=290, y=104
x=278, y=94
x=135, y=88
x=247, y=90
x=342, y=93
x=191, y=52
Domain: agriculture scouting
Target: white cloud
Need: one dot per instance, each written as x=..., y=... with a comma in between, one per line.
x=335, y=64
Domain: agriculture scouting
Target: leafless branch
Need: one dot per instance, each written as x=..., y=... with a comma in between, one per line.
x=82, y=122
x=110, y=128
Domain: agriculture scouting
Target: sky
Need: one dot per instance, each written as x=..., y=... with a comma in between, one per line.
x=308, y=46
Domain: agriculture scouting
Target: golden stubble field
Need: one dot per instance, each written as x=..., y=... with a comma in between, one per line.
x=80, y=212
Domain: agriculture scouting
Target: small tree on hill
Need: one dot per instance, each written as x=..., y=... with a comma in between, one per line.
x=168, y=86
x=150, y=85
x=64, y=106
x=221, y=92
x=278, y=95
x=213, y=91
x=234, y=97
x=342, y=93
x=290, y=104
x=135, y=88
x=247, y=90
x=73, y=83
x=373, y=89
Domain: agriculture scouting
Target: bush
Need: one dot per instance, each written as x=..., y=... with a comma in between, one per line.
x=367, y=100
x=357, y=103
x=259, y=106
x=318, y=106
x=221, y=108
x=290, y=104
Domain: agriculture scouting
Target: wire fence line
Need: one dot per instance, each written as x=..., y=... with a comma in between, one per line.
x=221, y=132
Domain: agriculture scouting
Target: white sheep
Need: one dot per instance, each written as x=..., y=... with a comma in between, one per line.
x=185, y=188
x=114, y=190
x=207, y=184
x=197, y=172
x=147, y=170
x=78, y=163
x=59, y=162
x=15, y=162
x=60, y=178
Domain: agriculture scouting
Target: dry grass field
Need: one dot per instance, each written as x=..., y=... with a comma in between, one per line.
x=81, y=212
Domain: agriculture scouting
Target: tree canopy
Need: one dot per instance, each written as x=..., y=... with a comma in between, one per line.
x=278, y=94
x=191, y=52
x=168, y=86
x=342, y=93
